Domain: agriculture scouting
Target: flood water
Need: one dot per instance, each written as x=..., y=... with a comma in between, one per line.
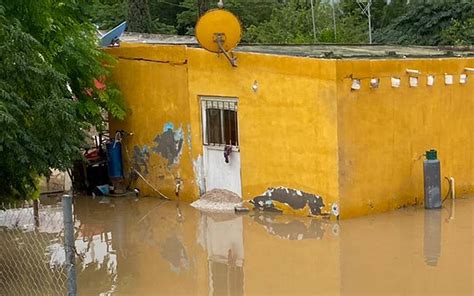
x=146, y=246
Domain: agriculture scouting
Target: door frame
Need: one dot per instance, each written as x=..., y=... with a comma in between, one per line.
x=203, y=127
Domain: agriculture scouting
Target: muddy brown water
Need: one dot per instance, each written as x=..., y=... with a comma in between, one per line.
x=143, y=247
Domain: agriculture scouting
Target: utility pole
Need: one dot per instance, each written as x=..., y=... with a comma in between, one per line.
x=369, y=4
x=365, y=5
x=314, y=22
x=334, y=20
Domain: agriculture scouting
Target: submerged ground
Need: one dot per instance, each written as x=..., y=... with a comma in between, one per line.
x=148, y=246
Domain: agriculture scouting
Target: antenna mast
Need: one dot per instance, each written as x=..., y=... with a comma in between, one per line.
x=365, y=5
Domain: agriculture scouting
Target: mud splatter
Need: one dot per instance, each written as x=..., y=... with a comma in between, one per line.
x=169, y=144
x=288, y=200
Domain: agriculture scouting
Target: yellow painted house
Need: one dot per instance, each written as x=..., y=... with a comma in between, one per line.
x=348, y=124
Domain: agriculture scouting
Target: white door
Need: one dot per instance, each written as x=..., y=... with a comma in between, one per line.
x=221, y=144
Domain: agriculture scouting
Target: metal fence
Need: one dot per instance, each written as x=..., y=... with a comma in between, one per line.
x=32, y=250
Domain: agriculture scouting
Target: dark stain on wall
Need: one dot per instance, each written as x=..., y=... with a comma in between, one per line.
x=141, y=156
x=169, y=145
x=295, y=199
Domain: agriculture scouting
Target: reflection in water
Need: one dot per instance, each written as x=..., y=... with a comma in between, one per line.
x=173, y=251
x=97, y=236
x=172, y=248
x=432, y=236
x=293, y=228
x=138, y=247
x=225, y=279
x=26, y=237
x=221, y=235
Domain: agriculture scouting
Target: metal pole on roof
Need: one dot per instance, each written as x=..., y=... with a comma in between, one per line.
x=314, y=22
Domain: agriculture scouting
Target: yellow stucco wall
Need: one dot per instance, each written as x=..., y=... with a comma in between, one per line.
x=288, y=135
x=304, y=128
x=153, y=80
x=383, y=133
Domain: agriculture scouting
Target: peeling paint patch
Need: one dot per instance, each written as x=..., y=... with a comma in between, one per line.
x=199, y=174
x=169, y=144
x=188, y=137
x=291, y=201
x=168, y=126
x=141, y=157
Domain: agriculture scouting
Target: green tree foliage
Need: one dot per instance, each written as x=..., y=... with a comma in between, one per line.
x=427, y=22
x=53, y=86
x=352, y=23
x=289, y=23
x=250, y=12
x=423, y=23
x=292, y=22
x=391, y=11
x=383, y=13
x=459, y=33
x=163, y=16
x=156, y=17
x=139, y=18
x=107, y=14
x=186, y=20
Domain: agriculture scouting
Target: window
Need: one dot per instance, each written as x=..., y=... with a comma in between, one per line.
x=221, y=126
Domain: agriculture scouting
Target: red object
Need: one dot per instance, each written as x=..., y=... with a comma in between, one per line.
x=92, y=155
x=99, y=84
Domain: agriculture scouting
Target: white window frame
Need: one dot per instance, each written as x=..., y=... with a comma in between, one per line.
x=204, y=101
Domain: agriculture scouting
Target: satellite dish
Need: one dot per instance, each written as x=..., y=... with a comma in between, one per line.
x=219, y=31
x=112, y=37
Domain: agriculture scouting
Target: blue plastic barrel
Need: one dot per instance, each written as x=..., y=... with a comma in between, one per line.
x=114, y=159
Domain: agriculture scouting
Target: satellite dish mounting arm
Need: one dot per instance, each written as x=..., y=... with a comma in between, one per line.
x=219, y=38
